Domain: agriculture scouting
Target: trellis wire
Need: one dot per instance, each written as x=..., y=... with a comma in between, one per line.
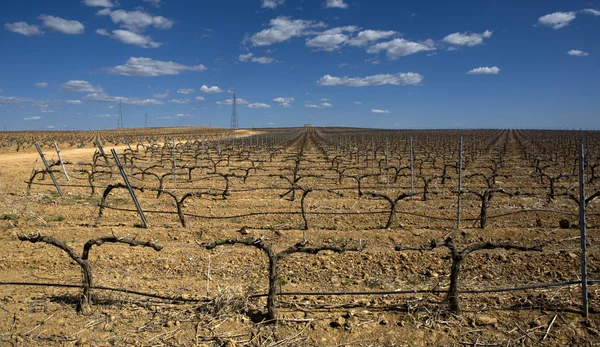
x=350, y=293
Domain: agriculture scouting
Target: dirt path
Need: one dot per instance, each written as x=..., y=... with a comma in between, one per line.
x=12, y=159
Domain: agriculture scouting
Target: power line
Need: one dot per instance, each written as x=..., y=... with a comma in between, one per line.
x=234, y=117
x=120, y=116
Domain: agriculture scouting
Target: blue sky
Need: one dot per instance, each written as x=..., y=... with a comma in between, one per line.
x=363, y=63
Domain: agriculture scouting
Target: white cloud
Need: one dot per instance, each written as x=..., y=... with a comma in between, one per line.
x=102, y=97
x=45, y=110
x=181, y=115
x=161, y=96
x=180, y=101
x=466, y=39
x=41, y=84
x=282, y=29
x=103, y=115
x=74, y=102
x=13, y=100
x=259, y=105
x=251, y=58
x=263, y=60
x=24, y=29
x=330, y=40
x=366, y=36
x=155, y=3
x=131, y=38
x=494, y=70
x=357, y=103
x=64, y=26
x=399, y=79
x=148, y=67
x=335, y=4
x=272, y=4
x=200, y=98
x=34, y=118
x=185, y=91
x=238, y=101
x=577, y=53
x=327, y=42
x=102, y=32
x=80, y=86
x=557, y=20
x=284, y=102
x=380, y=111
x=210, y=90
x=400, y=47
x=591, y=11
x=98, y=3
x=323, y=105
x=50, y=127
x=136, y=21
x=168, y=117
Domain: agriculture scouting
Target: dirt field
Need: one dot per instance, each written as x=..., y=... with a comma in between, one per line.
x=242, y=192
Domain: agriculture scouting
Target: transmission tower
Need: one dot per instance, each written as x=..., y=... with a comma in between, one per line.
x=146, y=120
x=120, y=117
x=234, y=117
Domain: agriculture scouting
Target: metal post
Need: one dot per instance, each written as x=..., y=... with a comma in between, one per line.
x=472, y=148
x=387, y=162
x=364, y=151
x=412, y=176
x=48, y=169
x=131, y=192
x=460, y=154
x=202, y=161
x=99, y=145
x=62, y=164
x=372, y=155
x=219, y=145
x=357, y=150
x=584, y=290
x=174, y=163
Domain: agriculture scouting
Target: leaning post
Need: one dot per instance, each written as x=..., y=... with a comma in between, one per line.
x=131, y=192
x=39, y=149
x=62, y=164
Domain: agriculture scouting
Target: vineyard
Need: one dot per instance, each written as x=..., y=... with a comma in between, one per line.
x=299, y=236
